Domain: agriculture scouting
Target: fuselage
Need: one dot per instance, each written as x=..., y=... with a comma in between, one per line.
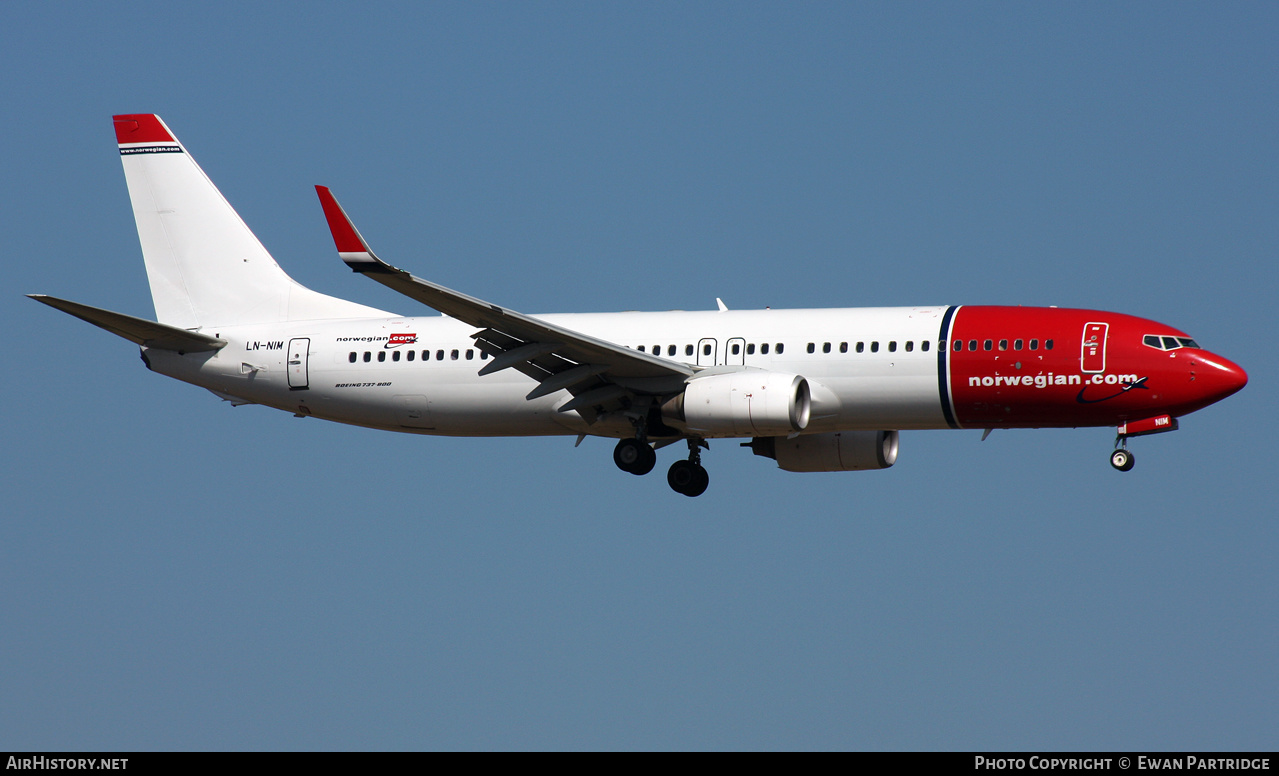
x=815, y=390
x=868, y=368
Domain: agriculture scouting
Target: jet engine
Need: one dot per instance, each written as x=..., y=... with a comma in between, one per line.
x=839, y=451
x=737, y=404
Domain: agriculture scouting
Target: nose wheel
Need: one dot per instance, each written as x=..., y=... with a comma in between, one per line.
x=1122, y=460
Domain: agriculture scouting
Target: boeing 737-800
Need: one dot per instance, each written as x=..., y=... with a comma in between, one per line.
x=815, y=390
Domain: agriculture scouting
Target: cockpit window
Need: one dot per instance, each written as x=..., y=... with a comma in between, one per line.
x=1168, y=343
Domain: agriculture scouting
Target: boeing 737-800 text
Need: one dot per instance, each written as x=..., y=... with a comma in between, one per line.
x=815, y=390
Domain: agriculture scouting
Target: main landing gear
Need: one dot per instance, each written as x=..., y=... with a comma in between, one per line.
x=688, y=477
x=634, y=456
x=684, y=477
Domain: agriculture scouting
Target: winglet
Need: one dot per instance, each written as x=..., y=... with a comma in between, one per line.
x=351, y=246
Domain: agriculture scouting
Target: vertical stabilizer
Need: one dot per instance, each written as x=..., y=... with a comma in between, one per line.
x=204, y=265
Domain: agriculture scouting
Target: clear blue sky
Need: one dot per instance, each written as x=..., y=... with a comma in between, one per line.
x=176, y=573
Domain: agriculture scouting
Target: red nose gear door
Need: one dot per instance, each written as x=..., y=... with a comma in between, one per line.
x=1092, y=355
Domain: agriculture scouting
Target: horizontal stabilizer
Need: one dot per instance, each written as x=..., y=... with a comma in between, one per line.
x=137, y=330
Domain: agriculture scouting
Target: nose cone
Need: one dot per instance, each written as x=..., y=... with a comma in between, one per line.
x=1218, y=377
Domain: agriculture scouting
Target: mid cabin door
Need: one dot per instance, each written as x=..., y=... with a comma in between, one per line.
x=299, y=350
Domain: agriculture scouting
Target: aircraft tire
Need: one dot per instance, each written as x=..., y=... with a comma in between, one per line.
x=1122, y=460
x=635, y=457
x=687, y=478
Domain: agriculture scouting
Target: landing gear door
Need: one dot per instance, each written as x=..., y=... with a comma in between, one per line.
x=297, y=358
x=1092, y=355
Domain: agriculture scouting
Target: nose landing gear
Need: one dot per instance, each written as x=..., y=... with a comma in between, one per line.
x=1121, y=459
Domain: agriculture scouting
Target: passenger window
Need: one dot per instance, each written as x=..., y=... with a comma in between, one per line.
x=411, y=354
x=640, y=348
x=426, y=355
x=736, y=348
x=763, y=349
x=874, y=347
x=706, y=349
x=439, y=355
x=470, y=354
x=750, y=349
x=959, y=345
x=1034, y=344
x=1003, y=344
x=910, y=345
x=987, y=345
x=923, y=345
x=825, y=347
x=484, y=355
x=1048, y=344
x=861, y=347
x=367, y=356
x=843, y=347
x=670, y=350
x=811, y=347
x=395, y=356
x=688, y=350
x=780, y=348
x=892, y=346
x=381, y=355
x=453, y=356
x=1017, y=344
x=352, y=358
x=657, y=350
x=972, y=345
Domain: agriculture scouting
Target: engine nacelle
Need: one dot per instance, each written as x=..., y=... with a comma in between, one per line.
x=839, y=451
x=737, y=404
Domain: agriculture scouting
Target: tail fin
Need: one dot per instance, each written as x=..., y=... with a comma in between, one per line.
x=204, y=265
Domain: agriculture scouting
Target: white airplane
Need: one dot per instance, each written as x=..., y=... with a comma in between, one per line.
x=816, y=390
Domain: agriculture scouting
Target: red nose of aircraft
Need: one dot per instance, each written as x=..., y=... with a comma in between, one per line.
x=1215, y=377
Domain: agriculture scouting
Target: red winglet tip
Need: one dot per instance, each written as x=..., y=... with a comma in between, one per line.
x=141, y=128
x=345, y=238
